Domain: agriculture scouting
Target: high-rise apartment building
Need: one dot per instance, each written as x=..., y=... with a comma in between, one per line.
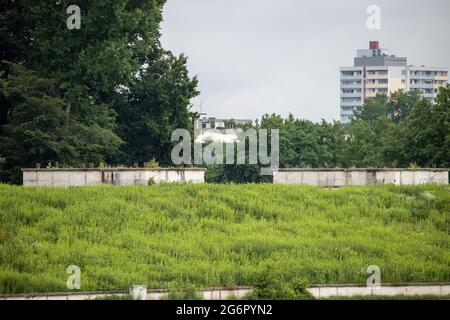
x=374, y=71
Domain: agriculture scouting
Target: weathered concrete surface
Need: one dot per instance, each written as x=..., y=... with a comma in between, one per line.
x=318, y=291
x=119, y=176
x=359, y=177
x=439, y=289
x=208, y=294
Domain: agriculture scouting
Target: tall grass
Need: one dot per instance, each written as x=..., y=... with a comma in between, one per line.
x=220, y=235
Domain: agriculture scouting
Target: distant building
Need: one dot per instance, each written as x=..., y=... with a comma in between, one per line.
x=375, y=71
x=214, y=129
x=216, y=123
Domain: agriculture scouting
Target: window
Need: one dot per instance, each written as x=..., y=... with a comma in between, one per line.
x=351, y=90
x=351, y=73
x=351, y=100
x=351, y=83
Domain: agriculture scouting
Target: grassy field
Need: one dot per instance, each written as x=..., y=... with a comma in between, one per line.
x=220, y=235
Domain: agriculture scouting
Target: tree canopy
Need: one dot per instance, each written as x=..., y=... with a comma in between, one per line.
x=107, y=92
x=402, y=130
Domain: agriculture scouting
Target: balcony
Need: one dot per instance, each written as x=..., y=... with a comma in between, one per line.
x=345, y=85
x=354, y=77
x=423, y=77
x=347, y=111
x=442, y=78
x=377, y=76
x=350, y=103
x=351, y=95
x=377, y=85
x=428, y=95
x=422, y=86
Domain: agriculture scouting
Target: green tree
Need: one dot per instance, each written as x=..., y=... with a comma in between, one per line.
x=35, y=128
x=157, y=103
x=98, y=76
x=299, y=140
x=359, y=149
x=332, y=137
x=425, y=137
x=372, y=109
x=401, y=103
x=38, y=131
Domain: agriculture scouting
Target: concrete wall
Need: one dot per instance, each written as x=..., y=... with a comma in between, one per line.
x=317, y=291
x=357, y=177
x=384, y=290
x=208, y=294
x=120, y=177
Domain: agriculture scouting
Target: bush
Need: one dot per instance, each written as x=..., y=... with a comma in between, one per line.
x=270, y=287
x=152, y=164
x=185, y=292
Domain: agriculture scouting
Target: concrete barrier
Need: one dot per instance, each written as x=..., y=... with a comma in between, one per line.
x=358, y=177
x=317, y=291
x=115, y=176
x=207, y=294
x=420, y=289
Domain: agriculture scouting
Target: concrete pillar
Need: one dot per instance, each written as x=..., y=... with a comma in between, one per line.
x=138, y=292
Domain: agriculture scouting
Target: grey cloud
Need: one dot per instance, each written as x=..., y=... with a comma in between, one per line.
x=259, y=56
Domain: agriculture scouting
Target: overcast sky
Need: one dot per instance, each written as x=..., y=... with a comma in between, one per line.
x=262, y=56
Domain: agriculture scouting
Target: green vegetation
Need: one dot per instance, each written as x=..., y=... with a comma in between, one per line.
x=305, y=297
x=73, y=97
x=268, y=286
x=399, y=297
x=115, y=297
x=221, y=235
x=183, y=292
x=401, y=131
x=110, y=94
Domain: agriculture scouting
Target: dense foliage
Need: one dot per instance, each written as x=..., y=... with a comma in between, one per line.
x=107, y=92
x=170, y=236
x=402, y=130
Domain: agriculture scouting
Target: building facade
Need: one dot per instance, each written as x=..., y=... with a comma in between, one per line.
x=219, y=130
x=216, y=123
x=374, y=71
